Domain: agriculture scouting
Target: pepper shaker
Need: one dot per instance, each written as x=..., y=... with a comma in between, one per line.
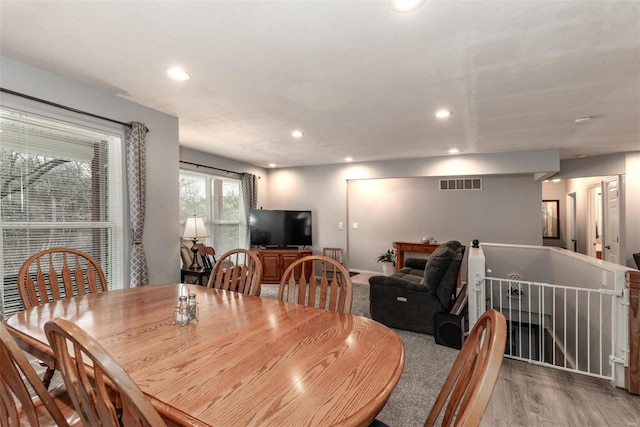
x=193, y=309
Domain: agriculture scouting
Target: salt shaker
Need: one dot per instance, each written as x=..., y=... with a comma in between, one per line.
x=181, y=312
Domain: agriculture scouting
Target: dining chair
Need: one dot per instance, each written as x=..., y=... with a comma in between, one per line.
x=17, y=406
x=93, y=379
x=335, y=253
x=207, y=253
x=303, y=283
x=58, y=273
x=470, y=383
x=237, y=270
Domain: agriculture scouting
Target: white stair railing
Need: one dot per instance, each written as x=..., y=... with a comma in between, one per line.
x=574, y=319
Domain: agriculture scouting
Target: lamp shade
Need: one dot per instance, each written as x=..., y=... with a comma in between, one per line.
x=194, y=228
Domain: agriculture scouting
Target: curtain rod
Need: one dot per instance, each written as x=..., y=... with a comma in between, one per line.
x=64, y=107
x=210, y=167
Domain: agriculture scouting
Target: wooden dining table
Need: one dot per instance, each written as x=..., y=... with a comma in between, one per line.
x=247, y=360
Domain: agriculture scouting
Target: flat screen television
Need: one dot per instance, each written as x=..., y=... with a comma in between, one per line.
x=280, y=228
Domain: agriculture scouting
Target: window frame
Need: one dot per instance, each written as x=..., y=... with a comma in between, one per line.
x=117, y=217
x=209, y=217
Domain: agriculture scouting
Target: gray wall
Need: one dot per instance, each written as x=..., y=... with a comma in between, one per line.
x=506, y=210
x=160, y=241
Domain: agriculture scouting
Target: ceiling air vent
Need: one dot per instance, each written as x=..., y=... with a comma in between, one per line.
x=461, y=184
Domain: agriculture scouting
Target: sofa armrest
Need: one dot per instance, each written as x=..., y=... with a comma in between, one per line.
x=396, y=282
x=392, y=302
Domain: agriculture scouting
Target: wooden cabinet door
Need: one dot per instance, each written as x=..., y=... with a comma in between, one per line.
x=271, y=270
x=275, y=262
x=287, y=260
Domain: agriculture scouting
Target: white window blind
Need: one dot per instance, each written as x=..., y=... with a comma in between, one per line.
x=60, y=185
x=219, y=201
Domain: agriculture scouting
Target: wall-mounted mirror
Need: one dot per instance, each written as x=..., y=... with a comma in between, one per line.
x=551, y=219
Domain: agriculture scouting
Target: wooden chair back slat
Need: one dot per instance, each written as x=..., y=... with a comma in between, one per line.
x=92, y=393
x=30, y=290
x=79, y=277
x=313, y=284
x=334, y=290
x=57, y=261
x=42, y=283
x=16, y=369
x=244, y=285
x=291, y=295
x=303, y=285
x=470, y=383
x=91, y=279
x=66, y=276
x=329, y=291
x=238, y=270
x=53, y=281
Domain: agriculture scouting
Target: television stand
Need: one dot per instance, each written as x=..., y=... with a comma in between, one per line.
x=276, y=260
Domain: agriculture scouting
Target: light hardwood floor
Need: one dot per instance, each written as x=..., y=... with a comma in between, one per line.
x=530, y=395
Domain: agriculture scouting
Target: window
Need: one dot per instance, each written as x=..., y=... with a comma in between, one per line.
x=219, y=201
x=60, y=185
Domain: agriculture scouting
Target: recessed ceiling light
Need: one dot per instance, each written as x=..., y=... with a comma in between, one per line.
x=178, y=73
x=296, y=134
x=348, y=159
x=581, y=156
x=556, y=180
x=272, y=165
x=443, y=114
x=583, y=120
x=404, y=6
x=454, y=151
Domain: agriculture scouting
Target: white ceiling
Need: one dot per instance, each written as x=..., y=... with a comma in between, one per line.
x=358, y=79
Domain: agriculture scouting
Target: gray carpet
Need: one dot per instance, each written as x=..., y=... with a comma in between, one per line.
x=426, y=367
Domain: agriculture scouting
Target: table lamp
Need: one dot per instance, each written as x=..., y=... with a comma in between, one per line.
x=194, y=229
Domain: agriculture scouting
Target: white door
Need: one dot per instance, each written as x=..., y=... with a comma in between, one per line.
x=594, y=221
x=611, y=238
x=572, y=221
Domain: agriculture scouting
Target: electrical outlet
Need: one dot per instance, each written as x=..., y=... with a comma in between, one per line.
x=355, y=225
x=341, y=225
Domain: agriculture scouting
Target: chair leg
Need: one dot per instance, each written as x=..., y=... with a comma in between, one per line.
x=46, y=378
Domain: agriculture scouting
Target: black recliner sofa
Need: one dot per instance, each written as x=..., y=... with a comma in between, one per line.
x=408, y=299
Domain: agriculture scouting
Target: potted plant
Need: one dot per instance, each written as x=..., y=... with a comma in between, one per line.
x=388, y=260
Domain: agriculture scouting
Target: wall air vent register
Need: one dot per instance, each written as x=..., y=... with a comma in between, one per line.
x=461, y=184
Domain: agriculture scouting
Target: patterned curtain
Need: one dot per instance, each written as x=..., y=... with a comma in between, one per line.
x=250, y=200
x=136, y=179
